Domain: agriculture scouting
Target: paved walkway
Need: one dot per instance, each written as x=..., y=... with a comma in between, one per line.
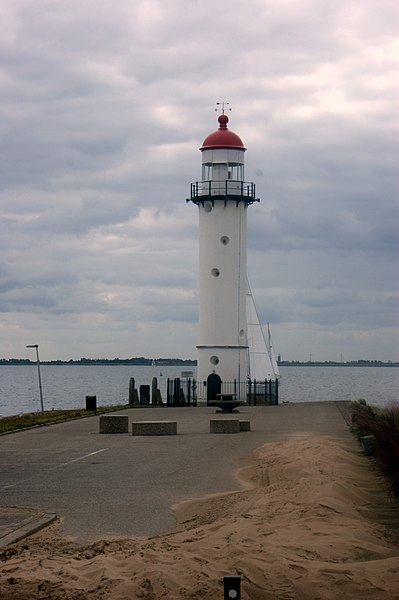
x=121, y=485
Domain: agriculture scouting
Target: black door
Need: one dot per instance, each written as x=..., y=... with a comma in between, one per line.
x=213, y=387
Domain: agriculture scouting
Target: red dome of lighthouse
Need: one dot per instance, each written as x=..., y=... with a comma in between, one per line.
x=223, y=138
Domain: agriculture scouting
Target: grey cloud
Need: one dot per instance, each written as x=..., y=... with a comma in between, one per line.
x=104, y=107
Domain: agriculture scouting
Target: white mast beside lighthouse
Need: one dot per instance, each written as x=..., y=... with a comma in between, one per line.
x=222, y=198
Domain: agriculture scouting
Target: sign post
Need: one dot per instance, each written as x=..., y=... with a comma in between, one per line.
x=232, y=587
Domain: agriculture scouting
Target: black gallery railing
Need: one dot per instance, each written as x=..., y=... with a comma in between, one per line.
x=240, y=191
x=188, y=392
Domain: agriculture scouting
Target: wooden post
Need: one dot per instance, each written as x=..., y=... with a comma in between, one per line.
x=158, y=397
x=171, y=390
x=132, y=385
x=176, y=392
x=154, y=385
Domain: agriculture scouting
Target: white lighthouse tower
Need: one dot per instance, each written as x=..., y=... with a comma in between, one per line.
x=222, y=198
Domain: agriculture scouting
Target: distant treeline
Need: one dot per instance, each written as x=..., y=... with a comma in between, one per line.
x=140, y=360
x=331, y=363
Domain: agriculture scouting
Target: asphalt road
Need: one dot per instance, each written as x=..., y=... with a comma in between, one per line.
x=105, y=485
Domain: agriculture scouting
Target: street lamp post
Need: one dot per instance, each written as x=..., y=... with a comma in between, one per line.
x=38, y=372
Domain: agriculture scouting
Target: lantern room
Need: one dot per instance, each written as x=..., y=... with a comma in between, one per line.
x=223, y=168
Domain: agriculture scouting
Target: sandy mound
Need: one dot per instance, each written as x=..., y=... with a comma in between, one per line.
x=313, y=521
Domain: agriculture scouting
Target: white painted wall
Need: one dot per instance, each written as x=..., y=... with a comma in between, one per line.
x=222, y=344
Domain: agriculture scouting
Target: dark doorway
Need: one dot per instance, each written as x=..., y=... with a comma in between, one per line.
x=213, y=387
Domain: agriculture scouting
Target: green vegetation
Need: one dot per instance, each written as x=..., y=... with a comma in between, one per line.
x=383, y=425
x=16, y=422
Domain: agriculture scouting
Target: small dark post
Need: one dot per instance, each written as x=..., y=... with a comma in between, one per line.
x=154, y=385
x=182, y=398
x=168, y=394
x=176, y=392
x=158, y=397
x=144, y=395
x=276, y=384
x=132, y=385
x=91, y=403
x=136, y=399
x=232, y=587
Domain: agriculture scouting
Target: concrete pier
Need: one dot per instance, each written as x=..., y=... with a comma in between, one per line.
x=154, y=428
x=119, y=485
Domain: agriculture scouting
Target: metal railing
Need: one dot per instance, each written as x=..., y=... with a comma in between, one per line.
x=262, y=393
x=181, y=392
x=238, y=191
x=187, y=392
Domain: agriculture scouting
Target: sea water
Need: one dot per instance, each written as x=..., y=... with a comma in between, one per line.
x=66, y=386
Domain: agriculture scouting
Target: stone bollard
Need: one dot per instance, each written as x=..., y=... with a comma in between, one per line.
x=245, y=425
x=114, y=424
x=224, y=426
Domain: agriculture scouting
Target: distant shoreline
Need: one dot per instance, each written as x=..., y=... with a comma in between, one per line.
x=135, y=362
x=176, y=362
x=355, y=363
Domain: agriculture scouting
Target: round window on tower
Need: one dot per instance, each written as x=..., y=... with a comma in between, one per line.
x=214, y=360
x=208, y=207
x=224, y=240
x=215, y=272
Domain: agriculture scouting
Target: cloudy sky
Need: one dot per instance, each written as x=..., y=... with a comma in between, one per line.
x=104, y=106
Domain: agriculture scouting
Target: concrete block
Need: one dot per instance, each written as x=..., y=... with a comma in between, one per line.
x=245, y=425
x=368, y=444
x=114, y=424
x=224, y=426
x=154, y=428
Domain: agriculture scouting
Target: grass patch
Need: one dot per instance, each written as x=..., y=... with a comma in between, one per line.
x=16, y=422
x=383, y=424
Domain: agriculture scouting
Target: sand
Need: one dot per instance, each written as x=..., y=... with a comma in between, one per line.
x=312, y=520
